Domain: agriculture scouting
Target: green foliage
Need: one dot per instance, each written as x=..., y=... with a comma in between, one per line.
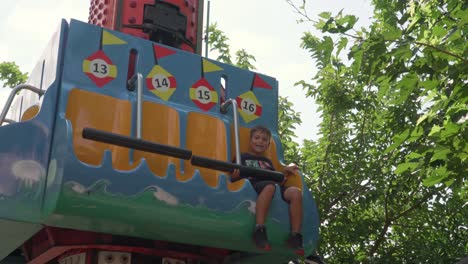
x=389, y=171
x=11, y=75
x=288, y=119
x=243, y=60
x=219, y=42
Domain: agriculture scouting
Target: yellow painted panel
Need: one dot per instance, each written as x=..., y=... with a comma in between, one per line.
x=206, y=136
x=160, y=125
x=88, y=109
x=30, y=113
x=271, y=153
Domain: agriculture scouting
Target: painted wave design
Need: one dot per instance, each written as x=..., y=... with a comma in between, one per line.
x=157, y=192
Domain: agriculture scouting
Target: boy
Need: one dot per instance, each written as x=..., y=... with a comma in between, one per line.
x=259, y=142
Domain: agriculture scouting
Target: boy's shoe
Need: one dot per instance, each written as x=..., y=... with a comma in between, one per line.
x=260, y=238
x=295, y=242
x=314, y=259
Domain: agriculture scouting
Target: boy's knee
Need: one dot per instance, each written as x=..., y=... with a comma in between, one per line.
x=294, y=194
x=270, y=188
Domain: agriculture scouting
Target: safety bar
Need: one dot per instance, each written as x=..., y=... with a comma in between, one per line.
x=223, y=110
x=124, y=141
x=139, y=144
x=259, y=174
x=13, y=93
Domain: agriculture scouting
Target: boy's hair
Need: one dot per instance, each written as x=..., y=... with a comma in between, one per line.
x=260, y=128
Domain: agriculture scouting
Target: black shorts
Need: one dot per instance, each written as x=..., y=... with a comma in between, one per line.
x=258, y=187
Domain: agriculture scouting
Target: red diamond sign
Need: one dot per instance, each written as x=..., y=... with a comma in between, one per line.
x=203, y=94
x=161, y=83
x=99, y=68
x=249, y=107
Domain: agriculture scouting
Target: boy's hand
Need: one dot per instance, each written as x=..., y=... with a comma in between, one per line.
x=235, y=174
x=291, y=169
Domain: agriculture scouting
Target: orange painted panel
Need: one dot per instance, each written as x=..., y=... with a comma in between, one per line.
x=88, y=109
x=160, y=125
x=206, y=136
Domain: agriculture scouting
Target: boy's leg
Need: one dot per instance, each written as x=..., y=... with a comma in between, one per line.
x=265, y=191
x=293, y=196
x=263, y=203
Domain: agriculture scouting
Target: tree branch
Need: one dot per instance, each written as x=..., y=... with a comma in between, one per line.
x=443, y=51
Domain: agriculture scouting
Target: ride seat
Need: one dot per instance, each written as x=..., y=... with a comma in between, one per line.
x=205, y=136
x=271, y=153
x=93, y=110
x=30, y=113
x=160, y=124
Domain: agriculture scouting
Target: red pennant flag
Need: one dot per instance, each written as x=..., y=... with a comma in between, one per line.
x=162, y=52
x=260, y=83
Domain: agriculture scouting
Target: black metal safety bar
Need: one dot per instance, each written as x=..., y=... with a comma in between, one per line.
x=143, y=145
x=259, y=174
x=139, y=144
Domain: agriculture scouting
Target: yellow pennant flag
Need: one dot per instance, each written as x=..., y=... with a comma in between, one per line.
x=109, y=39
x=210, y=67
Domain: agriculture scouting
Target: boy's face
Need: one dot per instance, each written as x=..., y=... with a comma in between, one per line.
x=259, y=142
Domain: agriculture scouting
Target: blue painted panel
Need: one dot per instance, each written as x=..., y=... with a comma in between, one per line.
x=25, y=147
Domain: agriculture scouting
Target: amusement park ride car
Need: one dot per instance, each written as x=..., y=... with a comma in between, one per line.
x=118, y=148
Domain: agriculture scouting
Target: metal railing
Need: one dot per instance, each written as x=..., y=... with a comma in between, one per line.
x=223, y=110
x=137, y=80
x=13, y=93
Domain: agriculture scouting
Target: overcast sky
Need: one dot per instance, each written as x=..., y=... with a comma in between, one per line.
x=267, y=29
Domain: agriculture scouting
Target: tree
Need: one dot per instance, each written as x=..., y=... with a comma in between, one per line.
x=11, y=74
x=390, y=166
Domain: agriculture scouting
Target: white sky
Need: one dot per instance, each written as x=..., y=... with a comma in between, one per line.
x=267, y=29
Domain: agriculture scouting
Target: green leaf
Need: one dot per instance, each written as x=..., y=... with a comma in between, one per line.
x=341, y=45
x=435, y=129
x=439, y=31
x=422, y=118
x=414, y=155
x=406, y=86
x=392, y=33
x=325, y=15
x=450, y=129
x=440, y=154
x=439, y=175
x=405, y=166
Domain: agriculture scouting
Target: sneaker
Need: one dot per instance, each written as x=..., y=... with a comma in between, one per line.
x=295, y=242
x=260, y=238
x=314, y=259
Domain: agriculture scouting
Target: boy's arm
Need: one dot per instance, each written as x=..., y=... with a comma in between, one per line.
x=235, y=175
